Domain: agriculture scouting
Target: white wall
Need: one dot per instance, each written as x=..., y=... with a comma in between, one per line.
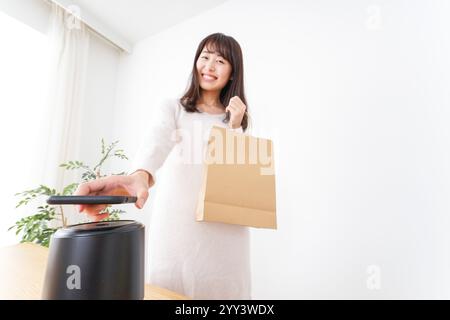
x=355, y=95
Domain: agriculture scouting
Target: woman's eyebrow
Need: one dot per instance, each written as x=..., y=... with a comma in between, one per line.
x=207, y=51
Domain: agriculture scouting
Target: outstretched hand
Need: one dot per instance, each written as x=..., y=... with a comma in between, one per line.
x=132, y=185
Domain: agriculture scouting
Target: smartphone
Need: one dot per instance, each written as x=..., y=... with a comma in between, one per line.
x=90, y=199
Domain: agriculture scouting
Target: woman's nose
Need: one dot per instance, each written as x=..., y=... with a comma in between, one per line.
x=210, y=65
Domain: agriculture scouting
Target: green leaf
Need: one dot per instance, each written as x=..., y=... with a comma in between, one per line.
x=72, y=165
x=119, y=174
x=103, y=146
x=29, y=195
x=68, y=190
x=87, y=176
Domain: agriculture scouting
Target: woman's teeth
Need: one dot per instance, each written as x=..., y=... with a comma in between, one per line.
x=208, y=78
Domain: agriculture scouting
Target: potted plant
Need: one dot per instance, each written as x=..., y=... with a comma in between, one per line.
x=47, y=219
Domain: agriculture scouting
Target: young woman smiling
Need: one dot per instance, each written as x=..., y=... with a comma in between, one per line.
x=202, y=260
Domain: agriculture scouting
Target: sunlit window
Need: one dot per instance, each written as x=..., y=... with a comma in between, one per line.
x=23, y=93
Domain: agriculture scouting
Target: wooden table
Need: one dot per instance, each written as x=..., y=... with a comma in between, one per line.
x=22, y=271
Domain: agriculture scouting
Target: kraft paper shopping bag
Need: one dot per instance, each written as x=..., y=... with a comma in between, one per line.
x=238, y=184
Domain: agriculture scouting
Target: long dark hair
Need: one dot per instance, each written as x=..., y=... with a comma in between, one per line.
x=230, y=49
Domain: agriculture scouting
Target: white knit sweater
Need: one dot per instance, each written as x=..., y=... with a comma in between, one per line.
x=202, y=260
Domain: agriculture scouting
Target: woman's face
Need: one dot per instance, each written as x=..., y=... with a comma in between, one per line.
x=213, y=70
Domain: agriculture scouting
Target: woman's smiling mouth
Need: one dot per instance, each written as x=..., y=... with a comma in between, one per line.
x=208, y=77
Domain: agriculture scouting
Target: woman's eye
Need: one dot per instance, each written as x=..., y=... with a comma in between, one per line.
x=204, y=57
x=221, y=61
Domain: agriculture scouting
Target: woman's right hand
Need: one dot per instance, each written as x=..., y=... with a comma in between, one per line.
x=136, y=184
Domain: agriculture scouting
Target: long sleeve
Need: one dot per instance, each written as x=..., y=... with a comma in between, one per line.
x=158, y=140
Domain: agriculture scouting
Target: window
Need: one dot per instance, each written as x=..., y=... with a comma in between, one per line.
x=24, y=65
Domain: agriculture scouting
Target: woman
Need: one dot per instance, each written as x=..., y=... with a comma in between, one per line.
x=202, y=260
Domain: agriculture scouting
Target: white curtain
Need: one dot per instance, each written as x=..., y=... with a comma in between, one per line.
x=69, y=41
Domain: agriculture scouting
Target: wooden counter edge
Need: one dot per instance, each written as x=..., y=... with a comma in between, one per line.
x=22, y=270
